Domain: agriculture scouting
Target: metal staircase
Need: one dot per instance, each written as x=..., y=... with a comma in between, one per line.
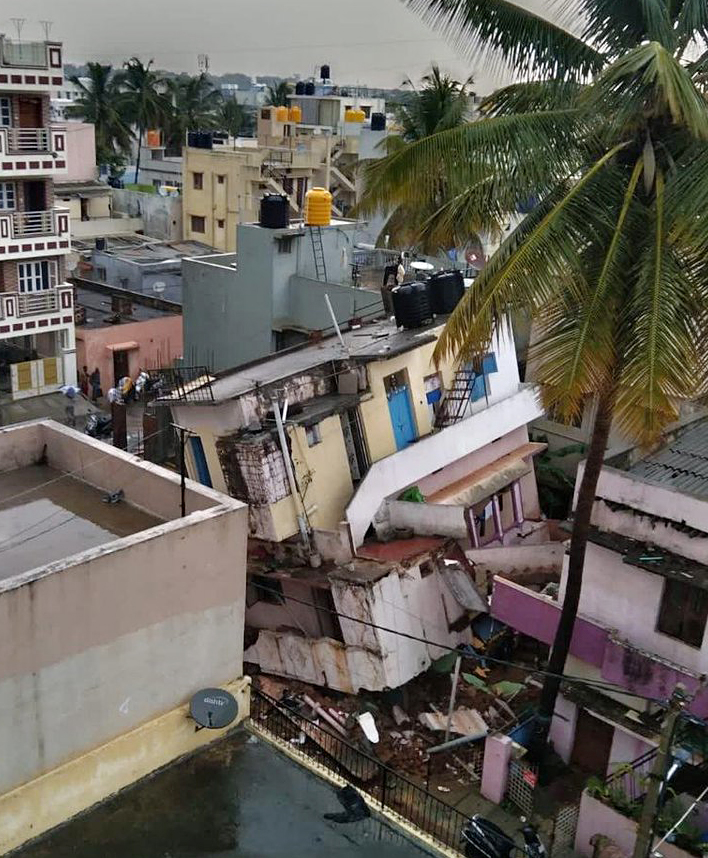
x=318, y=252
x=454, y=404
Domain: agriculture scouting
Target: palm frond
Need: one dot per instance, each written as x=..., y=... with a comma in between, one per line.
x=527, y=271
x=502, y=31
x=692, y=22
x=648, y=82
x=532, y=96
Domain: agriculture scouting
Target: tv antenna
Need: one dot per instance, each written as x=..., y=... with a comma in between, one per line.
x=47, y=26
x=19, y=24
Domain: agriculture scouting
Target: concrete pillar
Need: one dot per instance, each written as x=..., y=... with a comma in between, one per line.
x=495, y=772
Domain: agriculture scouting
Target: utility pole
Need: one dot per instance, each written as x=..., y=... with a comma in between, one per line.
x=182, y=471
x=645, y=830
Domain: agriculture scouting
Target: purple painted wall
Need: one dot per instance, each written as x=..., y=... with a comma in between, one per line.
x=537, y=617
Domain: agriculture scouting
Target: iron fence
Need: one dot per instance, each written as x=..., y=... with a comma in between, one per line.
x=388, y=788
x=179, y=384
x=629, y=780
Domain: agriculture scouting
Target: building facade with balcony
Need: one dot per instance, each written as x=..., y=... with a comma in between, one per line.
x=37, y=345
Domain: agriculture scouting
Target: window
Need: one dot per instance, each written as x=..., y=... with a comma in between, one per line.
x=220, y=180
x=285, y=245
x=7, y=196
x=220, y=223
x=265, y=113
x=36, y=276
x=313, y=434
x=198, y=223
x=5, y=112
x=433, y=393
x=267, y=589
x=197, y=181
x=426, y=569
x=101, y=273
x=683, y=612
x=157, y=184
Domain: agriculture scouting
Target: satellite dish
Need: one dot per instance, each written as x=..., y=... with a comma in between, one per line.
x=158, y=287
x=213, y=708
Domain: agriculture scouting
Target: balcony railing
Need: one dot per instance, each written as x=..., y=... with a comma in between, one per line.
x=24, y=54
x=25, y=140
x=29, y=224
x=31, y=303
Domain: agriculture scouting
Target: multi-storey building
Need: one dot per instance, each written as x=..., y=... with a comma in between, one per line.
x=37, y=350
x=295, y=150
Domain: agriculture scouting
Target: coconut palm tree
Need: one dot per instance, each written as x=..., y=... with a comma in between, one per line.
x=608, y=132
x=441, y=103
x=99, y=103
x=195, y=105
x=142, y=100
x=277, y=96
x=235, y=118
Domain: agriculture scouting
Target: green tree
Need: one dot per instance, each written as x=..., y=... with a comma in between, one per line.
x=235, y=118
x=195, y=104
x=99, y=103
x=608, y=133
x=143, y=102
x=277, y=96
x=441, y=103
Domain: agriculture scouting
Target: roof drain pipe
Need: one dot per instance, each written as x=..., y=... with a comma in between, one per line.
x=300, y=515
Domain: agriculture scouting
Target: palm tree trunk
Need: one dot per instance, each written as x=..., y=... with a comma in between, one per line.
x=576, y=562
x=137, y=162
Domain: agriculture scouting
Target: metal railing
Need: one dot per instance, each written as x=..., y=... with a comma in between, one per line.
x=24, y=54
x=389, y=789
x=629, y=780
x=21, y=140
x=31, y=303
x=27, y=224
x=183, y=384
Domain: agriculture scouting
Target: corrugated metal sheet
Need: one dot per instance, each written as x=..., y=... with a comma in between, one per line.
x=682, y=464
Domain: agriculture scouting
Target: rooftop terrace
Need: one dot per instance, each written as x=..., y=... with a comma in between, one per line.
x=45, y=514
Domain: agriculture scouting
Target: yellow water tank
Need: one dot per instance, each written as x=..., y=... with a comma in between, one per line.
x=354, y=114
x=281, y=114
x=295, y=114
x=318, y=207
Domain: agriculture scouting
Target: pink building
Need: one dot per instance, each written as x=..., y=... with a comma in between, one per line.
x=643, y=607
x=121, y=332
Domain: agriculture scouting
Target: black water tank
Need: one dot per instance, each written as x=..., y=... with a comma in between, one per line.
x=411, y=304
x=378, y=121
x=446, y=291
x=193, y=139
x=300, y=87
x=324, y=72
x=310, y=87
x=275, y=211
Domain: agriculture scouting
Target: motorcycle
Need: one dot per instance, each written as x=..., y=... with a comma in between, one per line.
x=98, y=425
x=484, y=839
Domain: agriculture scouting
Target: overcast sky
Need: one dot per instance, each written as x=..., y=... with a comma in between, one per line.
x=378, y=42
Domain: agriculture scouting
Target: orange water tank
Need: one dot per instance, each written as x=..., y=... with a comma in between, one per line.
x=153, y=137
x=318, y=207
x=354, y=114
x=295, y=114
x=281, y=114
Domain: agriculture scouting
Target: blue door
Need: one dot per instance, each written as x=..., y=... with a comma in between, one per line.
x=200, y=462
x=399, y=407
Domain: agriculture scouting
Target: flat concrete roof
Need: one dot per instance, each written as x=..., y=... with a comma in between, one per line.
x=379, y=341
x=235, y=797
x=45, y=515
x=99, y=309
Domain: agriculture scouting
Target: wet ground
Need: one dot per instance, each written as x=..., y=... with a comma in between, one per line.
x=45, y=516
x=237, y=799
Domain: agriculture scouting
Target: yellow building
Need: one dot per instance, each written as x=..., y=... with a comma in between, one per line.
x=222, y=185
x=360, y=427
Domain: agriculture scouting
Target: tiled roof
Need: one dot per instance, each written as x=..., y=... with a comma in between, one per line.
x=682, y=464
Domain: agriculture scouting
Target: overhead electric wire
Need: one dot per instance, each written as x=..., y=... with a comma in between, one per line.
x=476, y=657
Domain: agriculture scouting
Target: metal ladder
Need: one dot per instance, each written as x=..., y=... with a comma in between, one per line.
x=456, y=400
x=318, y=252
